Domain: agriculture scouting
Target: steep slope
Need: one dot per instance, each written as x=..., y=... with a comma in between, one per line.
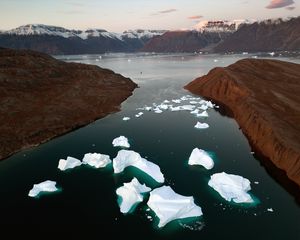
x=269, y=35
x=41, y=97
x=264, y=98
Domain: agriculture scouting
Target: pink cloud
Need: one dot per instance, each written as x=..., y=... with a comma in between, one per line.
x=195, y=17
x=168, y=10
x=279, y=3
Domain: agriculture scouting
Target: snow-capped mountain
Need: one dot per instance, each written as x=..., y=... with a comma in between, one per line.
x=221, y=25
x=59, y=40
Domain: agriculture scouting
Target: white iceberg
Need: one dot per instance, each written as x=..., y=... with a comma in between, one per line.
x=196, y=111
x=203, y=107
x=131, y=194
x=157, y=110
x=96, y=160
x=193, y=102
x=174, y=109
x=127, y=158
x=166, y=101
x=169, y=205
x=203, y=114
x=69, y=163
x=148, y=108
x=163, y=106
x=121, y=142
x=231, y=187
x=187, y=107
x=201, y=125
x=46, y=186
x=176, y=100
x=209, y=104
x=200, y=157
x=139, y=114
x=126, y=118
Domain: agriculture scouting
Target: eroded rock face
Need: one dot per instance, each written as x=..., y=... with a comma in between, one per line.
x=264, y=98
x=41, y=97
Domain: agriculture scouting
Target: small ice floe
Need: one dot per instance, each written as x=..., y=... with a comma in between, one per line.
x=166, y=101
x=157, y=110
x=200, y=125
x=209, y=104
x=96, y=160
x=256, y=183
x=193, y=102
x=139, y=114
x=216, y=60
x=272, y=54
x=163, y=106
x=148, y=108
x=203, y=114
x=127, y=158
x=176, y=100
x=175, y=109
x=69, y=163
x=187, y=107
x=184, y=98
x=270, y=210
x=245, y=53
x=46, y=186
x=126, y=118
x=131, y=194
x=196, y=111
x=121, y=142
x=169, y=205
x=203, y=107
x=231, y=187
x=200, y=157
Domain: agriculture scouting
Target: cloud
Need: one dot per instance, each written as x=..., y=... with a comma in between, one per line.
x=195, y=17
x=168, y=10
x=279, y=3
x=290, y=8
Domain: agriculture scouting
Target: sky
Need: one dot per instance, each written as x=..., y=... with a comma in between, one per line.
x=120, y=15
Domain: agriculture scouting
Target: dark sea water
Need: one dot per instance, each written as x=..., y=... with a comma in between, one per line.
x=87, y=207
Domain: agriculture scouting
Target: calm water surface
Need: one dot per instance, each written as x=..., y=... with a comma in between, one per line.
x=87, y=204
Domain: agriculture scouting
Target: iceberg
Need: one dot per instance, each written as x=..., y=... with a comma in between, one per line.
x=196, y=111
x=176, y=101
x=46, y=186
x=96, y=160
x=157, y=110
x=127, y=158
x=166, y=101
x=203, y=114
x=193, y=102
x=200, y=157
x=139, y=114
x=163, y=106
x=69, y=163
x=201, y=125
x=131, y=194
x=126, y=118
x=169, y=205
x=231, y=187
x=203, y=107
x=121, y=142
x=187, y=107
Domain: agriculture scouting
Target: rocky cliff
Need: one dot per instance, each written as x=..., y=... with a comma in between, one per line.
x=268, y=35
x=41, y=97
x=263, y=96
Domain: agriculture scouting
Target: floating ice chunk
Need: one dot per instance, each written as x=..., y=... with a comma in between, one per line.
x=272, y=54
x=131, y=194
x=176, y=100
x=196, y=111
x=203, y=107
x=270, y=210
x=69, y=163
x=163, y=106
x=157, y=110
x=200, y=157
x=256, y=183
x=126, y=118
x=169, y=205
x=166, y=101
x=209, y=104
x=148, y=108
x=231, y=187
x=193, y=102
x=184, y=98
x=203, y=114
x=127, y=158
x=174, y=109
x=200, y=125
x=187, y=107
x=216, y=60
x=96, y=160
x=121, y=142
x=46, y=186
x=139, y=114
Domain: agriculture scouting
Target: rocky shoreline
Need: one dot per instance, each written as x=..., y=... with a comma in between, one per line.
x=42, y=98
x=263, y=96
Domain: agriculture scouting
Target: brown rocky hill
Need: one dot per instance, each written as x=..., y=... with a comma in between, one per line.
x=41, y=97
x=269, y=35
x=184, y=41
x=263, y=96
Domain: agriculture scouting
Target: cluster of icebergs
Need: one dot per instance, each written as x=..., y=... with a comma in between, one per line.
x=163, y=201
x=195, y=105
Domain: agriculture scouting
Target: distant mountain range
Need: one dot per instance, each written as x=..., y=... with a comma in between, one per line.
x=58, y=40
x=209, y=36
